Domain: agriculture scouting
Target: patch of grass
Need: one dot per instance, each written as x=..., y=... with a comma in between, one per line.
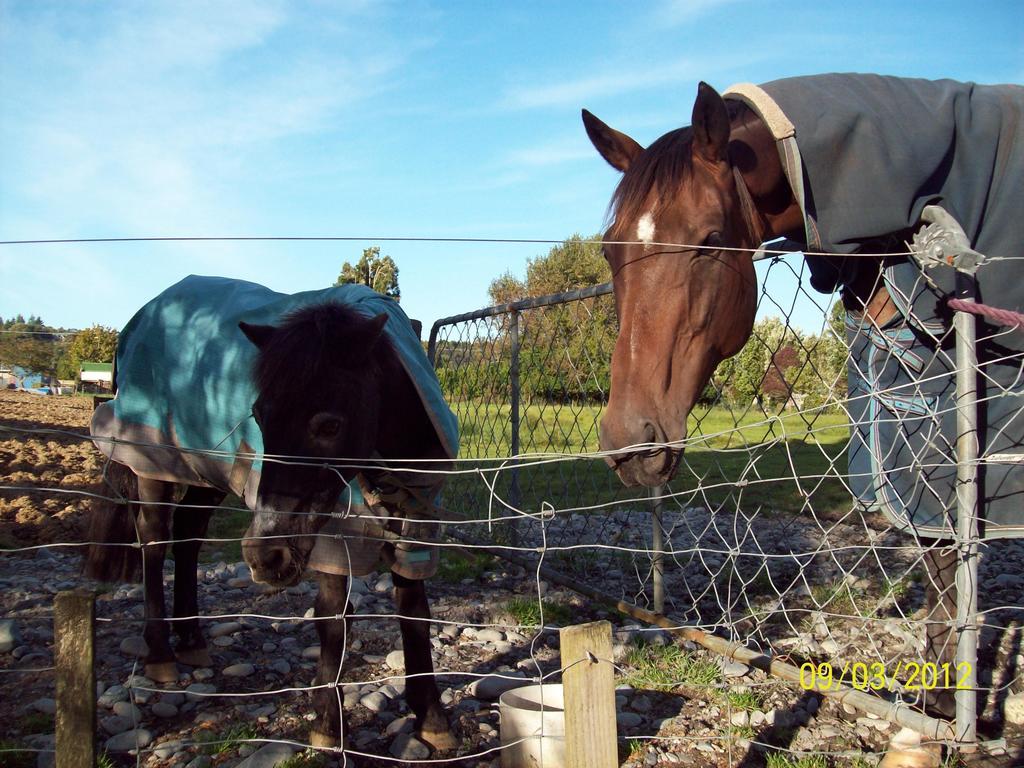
x=741, y=732
x=104, y=761
x=745, y=700
x=16, y=755
x=35, y=722
x=626, y=750
x=760, y=583
x=954, y=761
x=215, y=744
x=665, y=667
x=838, y=598
x=897, y=588
x=582, y=562
x=527, y=613
x=454, y=567
x=636, y=748
x=779, y=760
x=307, y=759
x=813, y=447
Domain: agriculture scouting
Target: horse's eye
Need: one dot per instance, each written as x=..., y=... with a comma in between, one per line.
x=326, y=427
x=714, y=240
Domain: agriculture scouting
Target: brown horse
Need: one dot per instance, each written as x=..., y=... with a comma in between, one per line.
x=326, y=380
x=721, y=188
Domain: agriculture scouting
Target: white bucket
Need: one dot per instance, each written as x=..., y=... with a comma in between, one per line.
x=523, y=720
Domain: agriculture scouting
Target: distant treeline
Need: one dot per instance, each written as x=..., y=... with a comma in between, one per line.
x=565, y=350
x=36, y=347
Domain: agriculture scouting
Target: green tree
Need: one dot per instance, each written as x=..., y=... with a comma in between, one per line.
x=30, y=344
x=779, y=360
x=575, y=263
x=824, y=380
x=378, y=272
x=97, y=344
x=506, y=289
x=566, y=348
x=743, y=376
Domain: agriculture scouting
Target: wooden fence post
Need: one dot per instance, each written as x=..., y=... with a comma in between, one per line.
x=74, y=613
x=589, y=690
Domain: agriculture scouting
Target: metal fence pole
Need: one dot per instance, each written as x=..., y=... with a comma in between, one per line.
x=514, y=494
x=967, y=516
x=658, y=548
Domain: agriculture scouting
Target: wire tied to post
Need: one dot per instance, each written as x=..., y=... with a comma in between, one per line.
x=942, y=241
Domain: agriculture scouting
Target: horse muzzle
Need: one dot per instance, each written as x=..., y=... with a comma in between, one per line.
x=648, y=469
x=641, y=465
x=274, y=560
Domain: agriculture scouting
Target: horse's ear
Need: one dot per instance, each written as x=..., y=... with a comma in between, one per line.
x=710, y=125
x=615, y=147
x=374, y=328
x=259, y=335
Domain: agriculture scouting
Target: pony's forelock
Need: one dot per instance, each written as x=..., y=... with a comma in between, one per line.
x=314, y=341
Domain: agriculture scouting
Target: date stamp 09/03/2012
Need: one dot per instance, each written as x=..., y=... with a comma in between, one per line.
x=876, y=676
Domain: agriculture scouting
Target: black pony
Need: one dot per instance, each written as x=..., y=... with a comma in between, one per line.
x=327, y=381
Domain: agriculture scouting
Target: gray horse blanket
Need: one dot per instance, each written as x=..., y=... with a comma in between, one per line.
x=183, y=410
x=865, y=154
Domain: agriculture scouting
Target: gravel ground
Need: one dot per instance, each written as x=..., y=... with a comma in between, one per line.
x=720, y=715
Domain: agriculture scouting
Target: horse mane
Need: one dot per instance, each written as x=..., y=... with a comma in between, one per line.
x=317, y=340
x=662, y=166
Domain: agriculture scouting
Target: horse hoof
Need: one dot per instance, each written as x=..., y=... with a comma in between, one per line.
x=162, y=672
x=194, y=657
x=320, y=740
x=439, y=741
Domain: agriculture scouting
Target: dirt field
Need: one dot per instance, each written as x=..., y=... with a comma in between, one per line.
x=65, y=462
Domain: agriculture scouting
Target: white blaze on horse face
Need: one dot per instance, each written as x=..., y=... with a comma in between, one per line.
x=645, y=229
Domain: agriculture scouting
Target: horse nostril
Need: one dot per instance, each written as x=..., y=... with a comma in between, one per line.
x=650, y=433
x=275, y=560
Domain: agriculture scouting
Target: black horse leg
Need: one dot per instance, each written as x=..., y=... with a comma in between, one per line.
x=940, y=633
x=331, y=600
x=191, y=518
x=157, y=498
x=421, y=688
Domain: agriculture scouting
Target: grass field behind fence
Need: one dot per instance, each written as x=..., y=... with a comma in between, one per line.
x=724, y=447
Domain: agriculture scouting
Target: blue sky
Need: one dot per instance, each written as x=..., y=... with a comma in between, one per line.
x=438, y=119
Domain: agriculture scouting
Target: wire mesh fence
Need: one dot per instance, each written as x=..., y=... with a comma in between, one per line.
x=770, y=533
x=765, y=538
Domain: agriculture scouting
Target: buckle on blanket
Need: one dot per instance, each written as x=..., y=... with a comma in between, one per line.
x=942, y=241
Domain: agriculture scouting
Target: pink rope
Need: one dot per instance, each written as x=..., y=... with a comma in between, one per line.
x=1000, y=316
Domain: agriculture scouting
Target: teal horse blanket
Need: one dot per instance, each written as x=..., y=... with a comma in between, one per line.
x=183, y=408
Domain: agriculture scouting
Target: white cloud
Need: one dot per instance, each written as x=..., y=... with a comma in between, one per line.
x=619, y=81
x=591, y=87
x=151, y=115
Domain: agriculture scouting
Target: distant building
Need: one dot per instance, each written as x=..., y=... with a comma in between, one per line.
x=96, y=377
x=16, y=377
